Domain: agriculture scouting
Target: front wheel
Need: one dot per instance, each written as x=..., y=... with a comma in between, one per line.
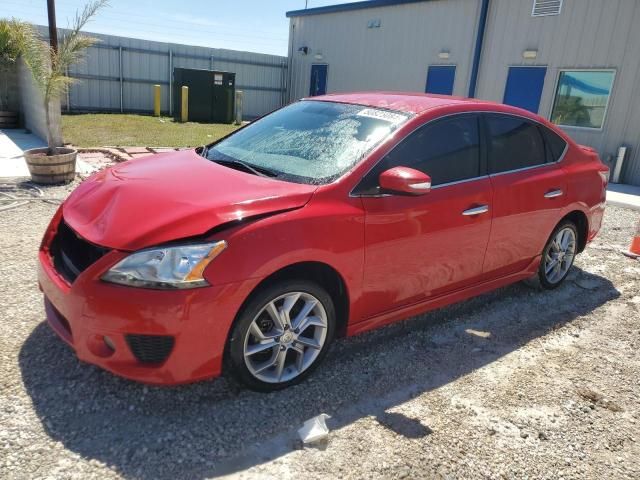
x=558, y=255
x=281, y=335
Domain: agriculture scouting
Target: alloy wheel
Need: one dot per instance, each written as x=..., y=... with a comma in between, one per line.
x=285, y=337
x=560, y=254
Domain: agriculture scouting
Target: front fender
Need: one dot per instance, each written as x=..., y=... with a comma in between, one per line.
x=323, y=231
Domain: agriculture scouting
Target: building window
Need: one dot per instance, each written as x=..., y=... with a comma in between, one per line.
x=581, y=98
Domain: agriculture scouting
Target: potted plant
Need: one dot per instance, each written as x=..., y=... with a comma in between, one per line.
x=56, y=164
x=12, y=36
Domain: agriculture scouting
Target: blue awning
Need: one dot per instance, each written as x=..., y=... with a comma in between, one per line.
x=573, y=82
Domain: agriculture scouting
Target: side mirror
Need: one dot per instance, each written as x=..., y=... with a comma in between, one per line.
x=405, y=180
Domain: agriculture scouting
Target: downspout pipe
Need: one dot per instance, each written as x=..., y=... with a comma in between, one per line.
x=482, y=24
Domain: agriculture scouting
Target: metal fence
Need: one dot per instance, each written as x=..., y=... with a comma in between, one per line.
x=118, y=75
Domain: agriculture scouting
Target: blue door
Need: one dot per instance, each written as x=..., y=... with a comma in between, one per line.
x=524, y=87
x=318, y=79
x=440, y=79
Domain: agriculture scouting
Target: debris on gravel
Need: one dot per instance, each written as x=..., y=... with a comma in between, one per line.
x=517, y=383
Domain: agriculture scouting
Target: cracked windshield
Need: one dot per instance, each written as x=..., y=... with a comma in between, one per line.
x=309, y=141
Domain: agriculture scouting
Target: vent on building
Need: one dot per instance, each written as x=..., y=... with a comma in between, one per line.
x=542, y=8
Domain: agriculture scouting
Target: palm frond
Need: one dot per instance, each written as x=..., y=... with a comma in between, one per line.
x=13, y=34
x=71, y=51
x=74, y=44
x=37, y=54
x=49, y=67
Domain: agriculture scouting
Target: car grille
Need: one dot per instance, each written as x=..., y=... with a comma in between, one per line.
x=71, y=254
x=150, y=348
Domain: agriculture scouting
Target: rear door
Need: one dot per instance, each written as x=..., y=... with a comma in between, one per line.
x=418, y=247
x=529, y=190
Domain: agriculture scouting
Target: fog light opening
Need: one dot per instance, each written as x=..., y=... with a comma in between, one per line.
x=101, y=346
x=109, y=343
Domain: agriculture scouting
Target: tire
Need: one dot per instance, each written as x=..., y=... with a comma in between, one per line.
x=261, y=336
x=549, y=278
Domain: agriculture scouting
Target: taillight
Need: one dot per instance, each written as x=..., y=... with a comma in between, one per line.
x=604, y=174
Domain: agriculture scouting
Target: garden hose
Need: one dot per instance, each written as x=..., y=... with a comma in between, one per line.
x=19, y=194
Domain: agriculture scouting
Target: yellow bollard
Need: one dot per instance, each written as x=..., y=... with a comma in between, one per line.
x=156, y=100
x=184, y=112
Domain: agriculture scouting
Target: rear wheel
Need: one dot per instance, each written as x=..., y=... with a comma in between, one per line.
x=281, y=335
x=558, y=255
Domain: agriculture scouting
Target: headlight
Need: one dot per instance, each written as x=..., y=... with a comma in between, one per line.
x=166, y=268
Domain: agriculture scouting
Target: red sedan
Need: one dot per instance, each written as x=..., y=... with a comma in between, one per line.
x=326, y=218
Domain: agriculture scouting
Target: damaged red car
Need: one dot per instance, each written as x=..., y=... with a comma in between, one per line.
x=326, y=218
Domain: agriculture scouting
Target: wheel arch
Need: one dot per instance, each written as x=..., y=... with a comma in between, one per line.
x=581, y=221
x=322, y=273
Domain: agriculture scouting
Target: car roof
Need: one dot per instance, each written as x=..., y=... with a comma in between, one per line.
x=408, y=102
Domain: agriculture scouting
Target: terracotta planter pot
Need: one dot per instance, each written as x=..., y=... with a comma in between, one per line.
x=8, y=119
x=59, y=168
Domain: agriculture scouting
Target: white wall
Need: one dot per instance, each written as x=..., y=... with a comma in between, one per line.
x=33, y=112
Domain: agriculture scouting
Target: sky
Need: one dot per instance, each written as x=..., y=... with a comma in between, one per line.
x=251, y=25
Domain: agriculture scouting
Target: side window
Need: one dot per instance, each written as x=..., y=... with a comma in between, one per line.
x=514, y=143
x=447, y=150
x=555, y=144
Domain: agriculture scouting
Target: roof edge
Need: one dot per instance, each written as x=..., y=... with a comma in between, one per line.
x=344, y=7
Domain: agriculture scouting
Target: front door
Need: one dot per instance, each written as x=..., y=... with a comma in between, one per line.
x=417, y=247
x=318, y=79
x=440, y=79
x=524, y=87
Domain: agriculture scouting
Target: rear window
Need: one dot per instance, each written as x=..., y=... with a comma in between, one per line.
x=555, y=143
x=514, y=143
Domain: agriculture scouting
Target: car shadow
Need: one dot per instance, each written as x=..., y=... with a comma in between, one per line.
x=216, y=427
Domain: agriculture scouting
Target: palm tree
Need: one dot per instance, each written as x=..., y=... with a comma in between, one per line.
x=13, y=36
x=48, y=66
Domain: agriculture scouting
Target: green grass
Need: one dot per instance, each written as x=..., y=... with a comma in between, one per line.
x=119, y=130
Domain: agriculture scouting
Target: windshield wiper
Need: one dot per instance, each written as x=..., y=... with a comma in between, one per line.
x=260, y=171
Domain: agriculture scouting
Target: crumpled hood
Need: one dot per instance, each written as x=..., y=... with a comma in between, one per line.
x=169, y=196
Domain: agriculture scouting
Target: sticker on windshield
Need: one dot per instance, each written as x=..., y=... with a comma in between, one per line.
x=385, y=115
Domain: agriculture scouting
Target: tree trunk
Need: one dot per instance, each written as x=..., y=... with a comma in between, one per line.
x=50, y=143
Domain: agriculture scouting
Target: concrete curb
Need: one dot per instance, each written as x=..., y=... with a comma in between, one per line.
x=617, y=203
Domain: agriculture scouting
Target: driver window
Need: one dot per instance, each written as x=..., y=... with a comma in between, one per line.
x=447, y=150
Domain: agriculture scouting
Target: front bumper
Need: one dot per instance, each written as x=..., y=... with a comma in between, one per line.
x=84, y=312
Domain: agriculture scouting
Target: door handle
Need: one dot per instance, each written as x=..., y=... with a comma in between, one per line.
x=476, y=210
x=553, y=193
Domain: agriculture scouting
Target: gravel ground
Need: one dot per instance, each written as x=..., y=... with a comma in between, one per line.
x=513, y=384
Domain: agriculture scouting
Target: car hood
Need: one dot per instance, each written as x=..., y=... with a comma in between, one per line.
x=170, y=196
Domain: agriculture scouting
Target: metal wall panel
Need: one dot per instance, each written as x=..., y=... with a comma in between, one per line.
x=588, y=34
x=145, y=63
x=394, y=56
